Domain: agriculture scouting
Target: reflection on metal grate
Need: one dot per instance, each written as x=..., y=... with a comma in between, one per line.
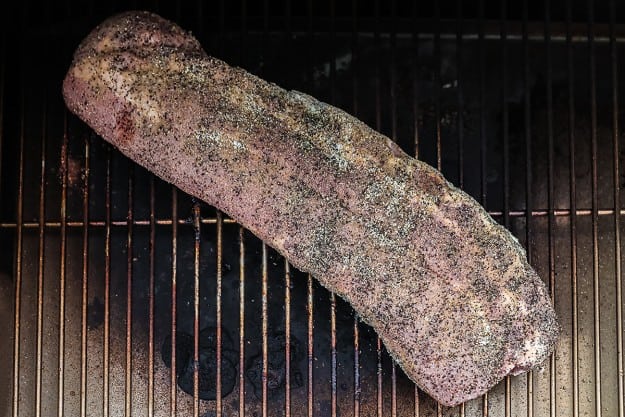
x=517, y=104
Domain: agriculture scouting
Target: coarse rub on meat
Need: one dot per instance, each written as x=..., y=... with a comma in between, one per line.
x=448, y=290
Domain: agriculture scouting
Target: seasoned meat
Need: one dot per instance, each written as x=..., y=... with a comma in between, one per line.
x=448, y=290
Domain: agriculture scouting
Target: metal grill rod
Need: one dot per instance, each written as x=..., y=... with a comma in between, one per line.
x=446, y=31
x=287, y=336
x=264, y=290
x=287, y=269
x=264, y=329
x=415, y=85
x=18, y=267
x=174, y=269
x=196, y=307
x=84, y=278
x=107, y=287
x=460, y=122
x=310, y=293
x=550, y=195
x=40, y=265
x=310, y=327
x=218, y=296
x=460, y=99
x=151, y=300
x=241, y=321
x=595, y=217
x=378, y=125
x=333, y=362
x=617, y=220
x=219, y=224
x=393, y=98
x=437, y=110
x=212, y=220
x=573, y=205
x=528, y=176
x=355, y=66
x=506, y=153
x=129, y=255
x=483, y=183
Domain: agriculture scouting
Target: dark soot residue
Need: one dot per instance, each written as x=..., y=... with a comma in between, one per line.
x=206, y=365
x=276, y=361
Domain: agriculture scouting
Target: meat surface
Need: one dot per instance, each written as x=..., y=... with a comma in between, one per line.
x=448, y=290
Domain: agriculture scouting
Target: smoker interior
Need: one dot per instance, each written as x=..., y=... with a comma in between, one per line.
x=517, y=103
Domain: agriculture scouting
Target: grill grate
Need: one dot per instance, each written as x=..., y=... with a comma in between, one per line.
x=516, y=104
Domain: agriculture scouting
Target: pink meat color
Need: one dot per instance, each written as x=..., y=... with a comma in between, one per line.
x=448, y=290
